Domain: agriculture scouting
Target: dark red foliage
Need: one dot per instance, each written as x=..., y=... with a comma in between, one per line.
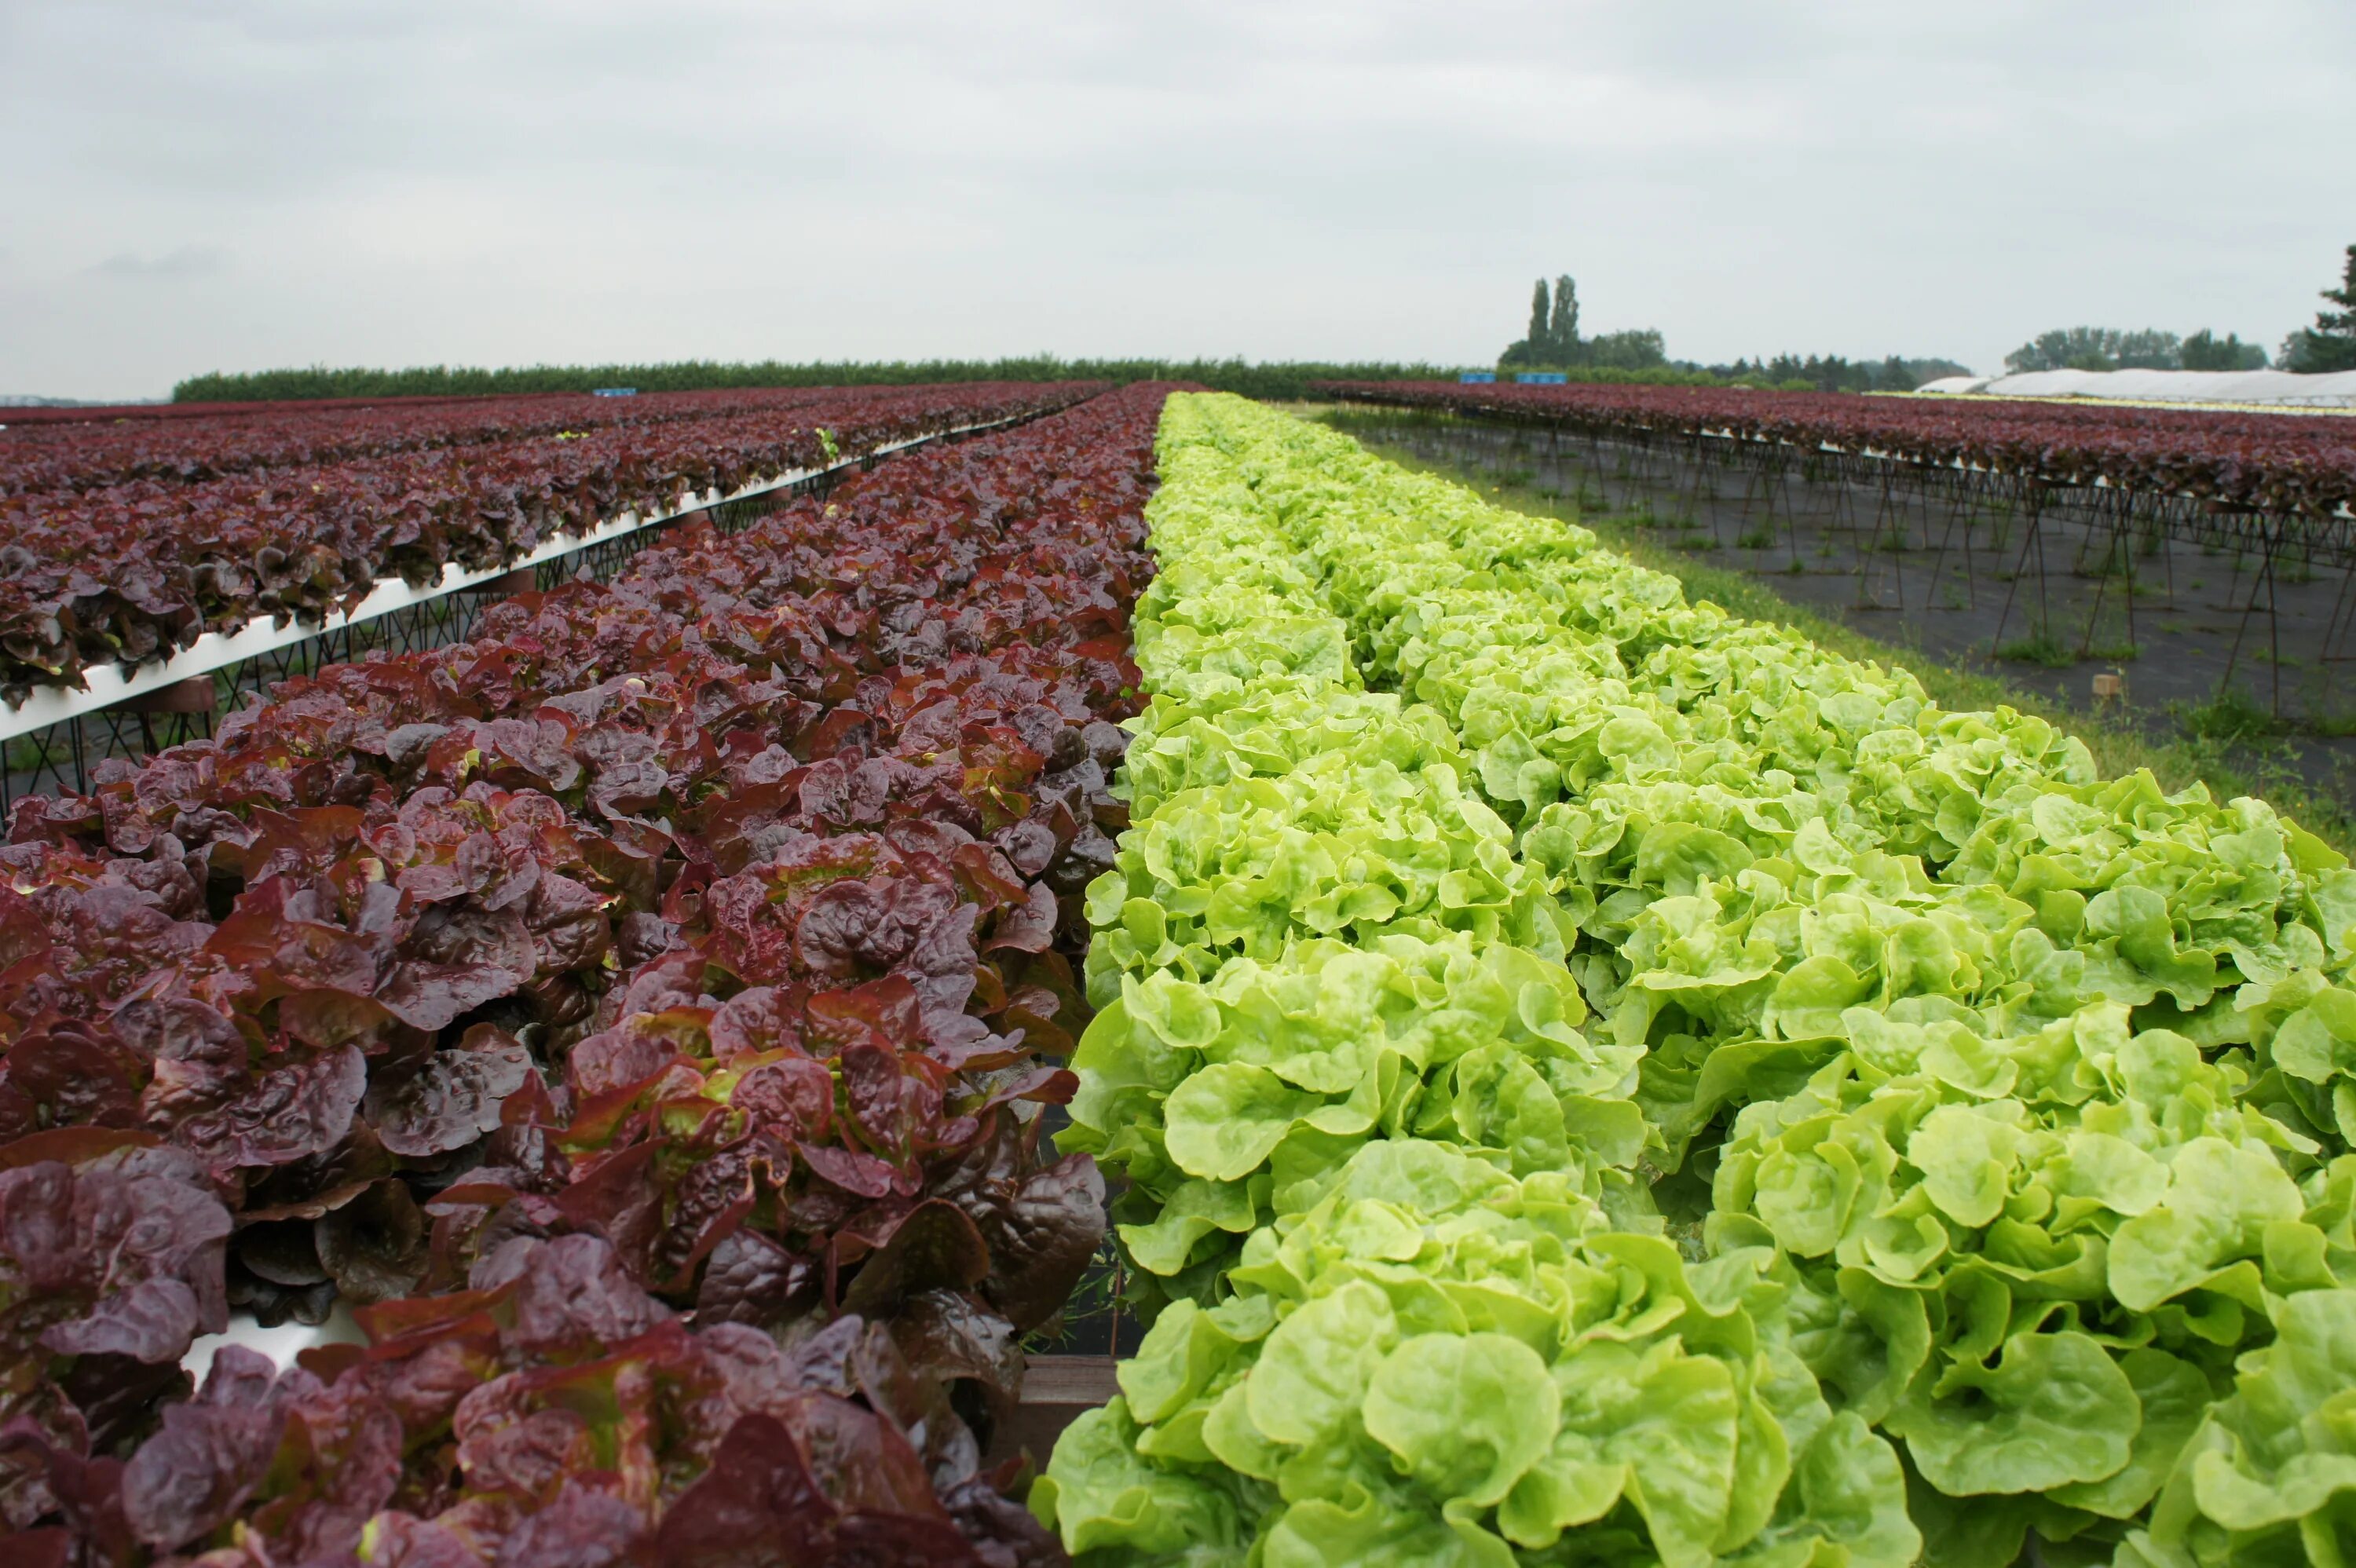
x=550, y=1412
x=706, y=938
x=86, y=449
x=2276, y=463
x=136, y=570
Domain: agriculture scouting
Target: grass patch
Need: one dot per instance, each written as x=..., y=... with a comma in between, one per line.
x=2044, y=649
x=2229, y=716
x=2221, y=751
x=2234, y=716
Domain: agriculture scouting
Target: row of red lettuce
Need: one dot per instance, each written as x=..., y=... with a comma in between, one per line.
x=2277, y=463
x=91, y=453
x=692, y=950
x=140, y=569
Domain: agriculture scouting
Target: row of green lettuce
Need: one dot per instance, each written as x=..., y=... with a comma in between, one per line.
x=1597, y=1080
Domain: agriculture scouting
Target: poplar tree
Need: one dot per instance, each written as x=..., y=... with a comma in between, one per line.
x=1562, y=327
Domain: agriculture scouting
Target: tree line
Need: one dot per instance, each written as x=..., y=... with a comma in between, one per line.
x=1276, y=379
x=1554, y=343
x=2151, y=349
x=2329, y=344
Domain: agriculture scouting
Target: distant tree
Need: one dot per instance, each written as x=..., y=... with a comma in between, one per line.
x=2150, y=349
x=2054, y=350
x=1833, y=373
x=1562, y=327
x=2330, y=344
x=2203, y=351
x=1640, y=349
x=1553, y=341
x=2097, y=349
x=1531, y=348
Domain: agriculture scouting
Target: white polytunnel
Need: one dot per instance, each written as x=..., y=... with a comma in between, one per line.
x=2337, y=390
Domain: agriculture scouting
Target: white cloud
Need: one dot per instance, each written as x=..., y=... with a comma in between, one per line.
x=405, y=181
x=185, y=261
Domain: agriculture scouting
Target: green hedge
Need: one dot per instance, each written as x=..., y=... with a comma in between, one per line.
x=1274, y=379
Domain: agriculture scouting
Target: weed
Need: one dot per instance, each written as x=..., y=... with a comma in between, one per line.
x=2043, y=648
x=2229, y=716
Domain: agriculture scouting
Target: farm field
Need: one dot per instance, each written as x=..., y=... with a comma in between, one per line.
x=2298, y=464
x=676, y=951
x=2186, y=700
x=172, y=548
x=214, y=588
x=2201, y=564
x=1564, y=1073
x=2208, y=633
x=1597, y=1078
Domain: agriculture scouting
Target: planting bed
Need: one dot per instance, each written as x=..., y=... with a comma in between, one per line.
x=136, y=570
x=640, y=1014
x=2297, y=465
x=102, y=449
x=1598, y=1080
x=2198, y=635
x=2198, y=566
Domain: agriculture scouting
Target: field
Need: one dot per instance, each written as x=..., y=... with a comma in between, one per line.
x=2204, y=598
x=648, y=1068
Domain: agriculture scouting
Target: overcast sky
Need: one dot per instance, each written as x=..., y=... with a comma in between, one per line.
x=244, y=184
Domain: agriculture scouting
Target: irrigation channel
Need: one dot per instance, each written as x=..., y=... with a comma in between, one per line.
x=2191, y=617
x=60, y=755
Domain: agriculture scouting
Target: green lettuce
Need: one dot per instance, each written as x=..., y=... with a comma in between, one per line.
x=1432, y=1359
x=2012, y=1105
